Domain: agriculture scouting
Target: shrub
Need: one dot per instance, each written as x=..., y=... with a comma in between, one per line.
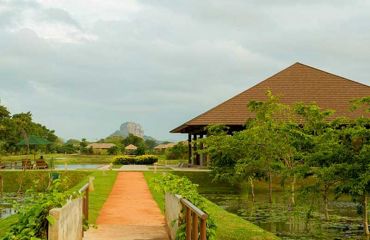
x=169, y=183
x=33, y=213
x=139, y=160
x=179, y=151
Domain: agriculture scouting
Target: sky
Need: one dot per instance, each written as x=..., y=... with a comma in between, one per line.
x=83, y=67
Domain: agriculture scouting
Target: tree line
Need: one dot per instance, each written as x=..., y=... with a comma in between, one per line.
x=297, y=142
x=15, y=127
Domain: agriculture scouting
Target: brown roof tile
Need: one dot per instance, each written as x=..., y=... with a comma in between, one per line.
x=297, y=83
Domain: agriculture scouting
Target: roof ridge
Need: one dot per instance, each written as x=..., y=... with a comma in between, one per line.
x=224, y=102
x=326, y=72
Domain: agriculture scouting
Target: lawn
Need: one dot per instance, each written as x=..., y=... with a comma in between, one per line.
x=230, y=226
x=64, y=158
x=103, y=184
x=15, y=181
x=6, y=223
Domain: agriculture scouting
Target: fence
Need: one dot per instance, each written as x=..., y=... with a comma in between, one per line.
x=193, y=215
x=69, y=219
x=195, y=219
x=85, y=200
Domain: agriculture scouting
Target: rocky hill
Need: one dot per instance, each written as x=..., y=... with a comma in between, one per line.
x=129, y=128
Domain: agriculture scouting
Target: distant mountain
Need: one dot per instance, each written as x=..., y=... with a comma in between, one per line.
x=129, y=128
x=134, y=129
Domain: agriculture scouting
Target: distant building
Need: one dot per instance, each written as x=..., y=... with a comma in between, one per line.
x=100, y=148
x=130, y=149
x=101, y=145
x=297, y=83
x=162, y=147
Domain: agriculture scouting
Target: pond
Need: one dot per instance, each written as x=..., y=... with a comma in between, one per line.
x=6, y=204
x=287, y=223
x=303, y=222
x=77, y=166
x=6, y=211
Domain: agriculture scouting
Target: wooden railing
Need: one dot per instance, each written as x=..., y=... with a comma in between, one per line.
x=85, y=200
x=194, y=230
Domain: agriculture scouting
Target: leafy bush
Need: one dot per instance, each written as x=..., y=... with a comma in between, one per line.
x=114, y=150
x=33, y=213
x=169, y=183
x=139, y=160
x=179, y=151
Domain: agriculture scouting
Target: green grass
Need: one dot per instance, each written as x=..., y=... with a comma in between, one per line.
x=23, y=180
x=82, y=159
x=230, y=226
x=6, y=223
x=64, y=158
x=103, y=184
x=158, y=196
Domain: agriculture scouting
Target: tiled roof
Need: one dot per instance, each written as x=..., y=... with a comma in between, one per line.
x=165, y=146
x=101, y=145
x=297, y=83
x=131, y=147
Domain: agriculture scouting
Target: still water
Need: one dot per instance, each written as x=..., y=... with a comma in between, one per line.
x=298, y=223
x=77, y=166
x=305, y=221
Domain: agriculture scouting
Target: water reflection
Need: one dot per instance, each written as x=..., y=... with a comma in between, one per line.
x=6, y=211
x=301, y=223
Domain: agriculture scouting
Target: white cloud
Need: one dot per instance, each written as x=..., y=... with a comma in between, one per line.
x=83, y=67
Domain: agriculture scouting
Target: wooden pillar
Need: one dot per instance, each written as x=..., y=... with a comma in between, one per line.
x=195, y=154
x=201, y=156
x=190, y=148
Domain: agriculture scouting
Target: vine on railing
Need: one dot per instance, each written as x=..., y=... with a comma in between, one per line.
x=169, y=183
x=33, y=212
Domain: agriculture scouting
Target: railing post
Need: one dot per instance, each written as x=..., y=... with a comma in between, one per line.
x=195, y=227
x=203, y=229
x=188, y=223
x=87, y=204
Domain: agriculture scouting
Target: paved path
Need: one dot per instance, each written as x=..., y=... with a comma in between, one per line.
x=134, y=168
x=130, y=213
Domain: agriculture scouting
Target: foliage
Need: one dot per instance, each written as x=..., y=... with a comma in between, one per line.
x=20, y=181
x=229, y=226
x=179, y=151
x=132, y=139
x=362, y=102
x=169, y=183
x=114, y=150
x=150, y=143
x=139, y=160
x=33, y=214
x=14, y=128
x=297, y=142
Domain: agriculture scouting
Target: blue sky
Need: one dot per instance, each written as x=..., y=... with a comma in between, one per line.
x=84, y=67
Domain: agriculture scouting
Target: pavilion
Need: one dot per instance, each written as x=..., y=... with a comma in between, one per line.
x=297, y=83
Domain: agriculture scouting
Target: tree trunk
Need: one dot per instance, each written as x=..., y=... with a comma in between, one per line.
x=252, y=188
x=366, y=223
x=293, y=189
x=270, y=186
x=326, y=203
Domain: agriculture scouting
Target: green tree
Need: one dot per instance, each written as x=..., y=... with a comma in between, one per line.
x=150, y=143
x=132, y=139
x=179, y=151
x=114, y=150
x=355, y=177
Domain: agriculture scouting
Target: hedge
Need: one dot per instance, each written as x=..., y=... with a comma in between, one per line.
x=138, y=160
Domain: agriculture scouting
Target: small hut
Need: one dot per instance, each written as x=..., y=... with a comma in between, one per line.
x=161, y=148
x=100, y=148
x=130, y=149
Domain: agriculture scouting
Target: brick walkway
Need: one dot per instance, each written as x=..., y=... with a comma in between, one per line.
x=130, y=213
